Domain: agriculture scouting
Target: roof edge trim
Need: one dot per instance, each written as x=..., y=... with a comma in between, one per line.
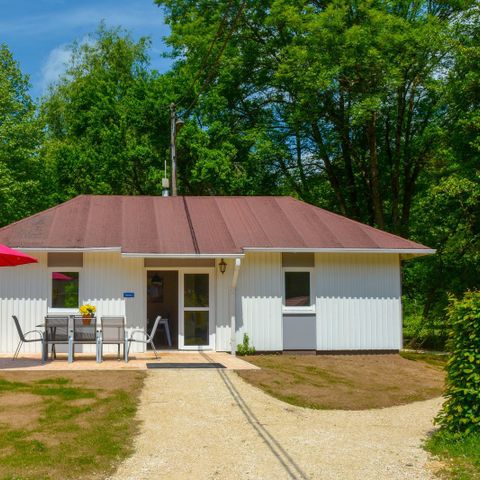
x=69, y=250
x=414, y=251
x=183, y=255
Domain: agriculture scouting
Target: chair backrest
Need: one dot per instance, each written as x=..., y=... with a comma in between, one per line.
x=154, y=328
x=19, y=328
x=56, y=328
x=113, y=329
x=83, y=329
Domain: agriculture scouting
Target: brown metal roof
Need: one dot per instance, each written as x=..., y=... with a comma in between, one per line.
x=194, y=225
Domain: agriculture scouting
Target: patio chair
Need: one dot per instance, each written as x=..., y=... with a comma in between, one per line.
x=147, y=339
x=56, y=332
x=112, y=332
x=23, y=338
x=82, y=334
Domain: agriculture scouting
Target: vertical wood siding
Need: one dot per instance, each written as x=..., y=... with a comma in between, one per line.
x=223, y=306
x=24, y=291
x=259, y=300
x=358, y=302
x=104, y=278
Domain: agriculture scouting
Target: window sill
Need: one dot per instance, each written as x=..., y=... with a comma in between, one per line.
x=298, y=311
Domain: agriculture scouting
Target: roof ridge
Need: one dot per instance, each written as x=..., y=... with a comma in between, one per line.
x=287, y=217
x=190, y=225
x=226, y=225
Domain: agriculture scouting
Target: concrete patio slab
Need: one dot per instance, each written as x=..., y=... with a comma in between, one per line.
x=136, y=361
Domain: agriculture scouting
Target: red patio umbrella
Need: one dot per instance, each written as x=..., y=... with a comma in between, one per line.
x=12, y=258
x=61, y=276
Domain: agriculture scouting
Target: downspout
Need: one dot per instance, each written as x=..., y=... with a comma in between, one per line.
x=233, y=306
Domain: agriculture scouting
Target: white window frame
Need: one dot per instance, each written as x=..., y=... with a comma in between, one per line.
x=307, y=308
x=70, y=311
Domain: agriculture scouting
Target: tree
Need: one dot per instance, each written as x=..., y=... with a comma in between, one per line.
x=447, y=216
x=349, y=92
x=107, y=119
x=20, y=134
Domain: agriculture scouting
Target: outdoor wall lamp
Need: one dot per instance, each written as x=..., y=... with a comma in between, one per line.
x=223, y=266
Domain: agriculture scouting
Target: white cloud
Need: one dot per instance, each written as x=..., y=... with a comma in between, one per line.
x=55, y=65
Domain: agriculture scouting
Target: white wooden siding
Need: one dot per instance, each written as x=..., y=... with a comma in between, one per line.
x=358, y=302
x=223, y=306
x=104, y=278
x=259, y=301
x=25, y=292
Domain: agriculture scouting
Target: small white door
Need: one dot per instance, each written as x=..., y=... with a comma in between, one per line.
x=197, y=323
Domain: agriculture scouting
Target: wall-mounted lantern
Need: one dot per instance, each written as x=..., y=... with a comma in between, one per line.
x=223, y=266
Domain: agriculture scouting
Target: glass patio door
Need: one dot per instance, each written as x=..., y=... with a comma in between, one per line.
x=196, y=332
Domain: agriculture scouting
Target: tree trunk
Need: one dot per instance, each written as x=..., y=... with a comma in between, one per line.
x=332, y=178
x=374, y=173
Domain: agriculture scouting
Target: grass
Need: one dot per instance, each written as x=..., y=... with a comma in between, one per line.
x=434, y=359
x=78, y=425
x=460, y=456
x=347, y=382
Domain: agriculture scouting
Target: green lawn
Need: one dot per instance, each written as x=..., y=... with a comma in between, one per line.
x=438, y=360
x=76, y=425
x=460, y=457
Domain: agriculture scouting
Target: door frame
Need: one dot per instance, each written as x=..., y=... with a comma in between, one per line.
x=212, y=302
x=211, y=309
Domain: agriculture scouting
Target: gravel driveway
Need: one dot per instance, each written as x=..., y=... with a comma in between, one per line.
x=210, y=424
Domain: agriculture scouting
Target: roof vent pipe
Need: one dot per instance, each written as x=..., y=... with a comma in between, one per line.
x=165, y=187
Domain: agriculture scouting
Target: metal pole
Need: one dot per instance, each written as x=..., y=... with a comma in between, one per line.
x=173, y=150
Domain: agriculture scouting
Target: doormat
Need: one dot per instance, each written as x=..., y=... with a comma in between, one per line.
x=185, y=365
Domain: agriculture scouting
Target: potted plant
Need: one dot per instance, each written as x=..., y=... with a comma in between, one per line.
x=88, y=312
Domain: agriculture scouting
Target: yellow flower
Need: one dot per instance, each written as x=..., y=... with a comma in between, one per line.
x=87, y=309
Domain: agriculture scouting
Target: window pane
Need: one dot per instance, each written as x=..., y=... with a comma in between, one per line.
x=196, y=290
x=196, y=328
x=65, y=289
x=297, y=289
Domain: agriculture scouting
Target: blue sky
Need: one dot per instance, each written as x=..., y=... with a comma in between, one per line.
x=38, y=32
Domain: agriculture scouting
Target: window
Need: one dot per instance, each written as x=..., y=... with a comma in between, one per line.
x=297, y=289
x=65, y=289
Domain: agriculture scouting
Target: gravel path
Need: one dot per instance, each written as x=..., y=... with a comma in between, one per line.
x=210, y=424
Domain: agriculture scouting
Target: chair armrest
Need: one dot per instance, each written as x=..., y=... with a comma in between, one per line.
x=34, y=331
x=131, y=338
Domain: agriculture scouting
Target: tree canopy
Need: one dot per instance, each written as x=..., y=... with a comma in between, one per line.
x=20, y=136
x=106, y=126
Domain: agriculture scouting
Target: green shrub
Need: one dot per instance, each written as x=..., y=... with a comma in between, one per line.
x=460, y=413
x=244, y=348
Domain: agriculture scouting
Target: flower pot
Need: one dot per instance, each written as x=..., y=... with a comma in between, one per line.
x=87, y=319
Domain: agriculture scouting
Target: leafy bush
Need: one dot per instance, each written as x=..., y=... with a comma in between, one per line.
x=244, y=348
x=461, y=411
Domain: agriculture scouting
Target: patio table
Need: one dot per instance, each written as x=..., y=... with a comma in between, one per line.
x=78, y=333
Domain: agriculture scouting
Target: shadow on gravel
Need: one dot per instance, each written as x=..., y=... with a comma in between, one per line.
x=287, y=462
